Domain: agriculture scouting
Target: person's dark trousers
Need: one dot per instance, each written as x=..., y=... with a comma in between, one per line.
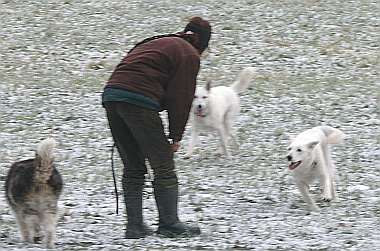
x=139, y=133
x=133, y=173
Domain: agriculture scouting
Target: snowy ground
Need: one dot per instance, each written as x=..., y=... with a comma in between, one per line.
x=318, y=63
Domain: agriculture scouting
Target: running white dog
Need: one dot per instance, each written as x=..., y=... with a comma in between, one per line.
x=214, y=109
x=309, y=159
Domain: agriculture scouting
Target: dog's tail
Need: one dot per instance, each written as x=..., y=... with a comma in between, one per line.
x=243, y=80
x=45, y=159
x=334, y=136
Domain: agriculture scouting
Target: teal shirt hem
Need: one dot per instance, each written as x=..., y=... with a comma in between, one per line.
x=119, y=95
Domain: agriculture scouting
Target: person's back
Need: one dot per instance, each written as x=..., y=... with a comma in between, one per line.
x=153, y=66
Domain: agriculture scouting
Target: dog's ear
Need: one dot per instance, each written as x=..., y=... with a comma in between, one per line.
x=288, y=136
x=312, y=144
x=208, y=85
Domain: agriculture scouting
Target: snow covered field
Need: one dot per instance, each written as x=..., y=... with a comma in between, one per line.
x=318, y=63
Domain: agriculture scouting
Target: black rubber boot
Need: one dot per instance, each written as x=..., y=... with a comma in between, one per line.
x=133, y=203
x=166, y=195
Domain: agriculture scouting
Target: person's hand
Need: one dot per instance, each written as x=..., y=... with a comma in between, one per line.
x=175, y=146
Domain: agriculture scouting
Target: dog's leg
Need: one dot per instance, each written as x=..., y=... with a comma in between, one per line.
x=35, y=228
x=193, y=141
x=228, y=125
x=333, y=190
x=332, y=180
x=327, y=189
x=224, y=141
x=49, y=221
x=235, y=141
x=23, y=226
x=304, y=189
x=30, y=221
x=37, y=232
x=327, y=175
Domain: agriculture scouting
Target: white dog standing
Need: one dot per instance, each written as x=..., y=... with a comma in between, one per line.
x=215, y=109
x=309, y=159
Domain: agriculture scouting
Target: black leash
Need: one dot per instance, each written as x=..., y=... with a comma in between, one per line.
x=114, y=178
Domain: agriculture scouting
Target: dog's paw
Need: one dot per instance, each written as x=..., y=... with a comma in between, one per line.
x=37, y=239
x=50, y=245
x=187, y=156
x=27, y=238
x=327, y=197
x=224, y=156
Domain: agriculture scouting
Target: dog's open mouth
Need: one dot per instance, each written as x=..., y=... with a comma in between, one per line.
x=199, y=113
x=293, y=165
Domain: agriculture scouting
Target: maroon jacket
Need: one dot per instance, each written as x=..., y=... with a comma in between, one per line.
x=164, y=70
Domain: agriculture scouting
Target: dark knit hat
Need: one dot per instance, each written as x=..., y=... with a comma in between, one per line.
x=201, y=27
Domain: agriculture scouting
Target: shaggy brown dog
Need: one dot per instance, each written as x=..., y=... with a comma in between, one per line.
x=32, y=190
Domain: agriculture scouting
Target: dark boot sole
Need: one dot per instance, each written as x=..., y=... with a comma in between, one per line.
x=174, y=234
